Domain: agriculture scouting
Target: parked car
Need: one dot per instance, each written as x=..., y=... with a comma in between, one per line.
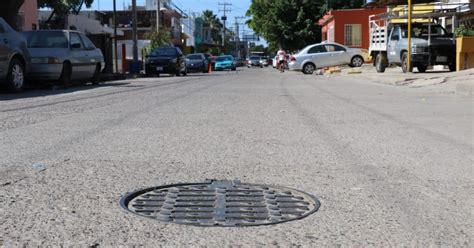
x=14, y=62
x=169, y=60
x=197, y=63
x=324, y=55
x=225, y=62
x=64, y=56
x=254, y=61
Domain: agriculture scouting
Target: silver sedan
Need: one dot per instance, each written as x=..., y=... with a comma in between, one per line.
x=64, y=56
x=326, y=54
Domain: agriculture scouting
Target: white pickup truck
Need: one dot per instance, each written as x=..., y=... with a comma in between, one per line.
x=430, y=45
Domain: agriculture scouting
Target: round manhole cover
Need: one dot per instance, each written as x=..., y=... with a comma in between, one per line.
x=221, y=203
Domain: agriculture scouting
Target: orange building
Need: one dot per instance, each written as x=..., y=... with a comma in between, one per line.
x=29, y=15
x=349, y=27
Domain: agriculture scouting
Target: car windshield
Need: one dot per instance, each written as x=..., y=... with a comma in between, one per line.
x=254, y=58
x=226, y=58
x=46, y=39
x=423, y=31
x=194, y=57
x=163, y=52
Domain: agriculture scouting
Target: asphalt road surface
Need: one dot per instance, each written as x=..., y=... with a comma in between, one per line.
x=391, y=166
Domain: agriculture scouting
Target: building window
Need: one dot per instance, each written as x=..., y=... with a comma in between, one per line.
x=353, y=35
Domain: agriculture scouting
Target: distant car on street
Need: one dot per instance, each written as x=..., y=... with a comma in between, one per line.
x=14, y=58
x=264, y=61
x=254, y=61
x=324, y=55
x=197, y=62
x=64, y=56
x=239, y=62
x=225, y=62
x=168, y=60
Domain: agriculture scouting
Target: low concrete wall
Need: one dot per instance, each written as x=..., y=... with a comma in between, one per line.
x=464, y=53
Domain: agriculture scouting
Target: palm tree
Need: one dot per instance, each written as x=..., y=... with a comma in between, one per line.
x=211, y=21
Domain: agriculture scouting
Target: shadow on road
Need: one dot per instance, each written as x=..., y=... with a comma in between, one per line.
x=48, y=90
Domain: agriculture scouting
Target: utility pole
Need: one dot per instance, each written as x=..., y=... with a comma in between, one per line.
x=237, y=34
x=115, y=36
x=225, y=9
x=158, y=3
x=135, y=69
x=236, y=37
x=409, y=65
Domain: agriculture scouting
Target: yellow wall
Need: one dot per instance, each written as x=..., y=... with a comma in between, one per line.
x=464, y=53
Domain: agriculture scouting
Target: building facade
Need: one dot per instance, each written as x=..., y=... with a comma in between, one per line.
x=349, y=27
x=28, y=15
x=152, y=4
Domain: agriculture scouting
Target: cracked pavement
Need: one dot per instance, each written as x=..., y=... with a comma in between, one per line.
x=392, y=166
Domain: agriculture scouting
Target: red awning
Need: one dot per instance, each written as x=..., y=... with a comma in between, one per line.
x=326, y=19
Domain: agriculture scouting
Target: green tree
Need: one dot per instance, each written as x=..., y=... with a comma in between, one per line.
x=9, y=11
x=161, y=38
x=62, y=8
x=292, y=23
x=342, y=4
x=259, y=48
x=286, y=23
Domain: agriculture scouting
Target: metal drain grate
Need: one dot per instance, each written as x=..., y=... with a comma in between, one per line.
x=221, y=203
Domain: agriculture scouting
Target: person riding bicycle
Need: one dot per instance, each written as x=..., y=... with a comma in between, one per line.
x=281, y=54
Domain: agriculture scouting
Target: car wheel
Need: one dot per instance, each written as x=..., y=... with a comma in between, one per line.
x=405, y=68
x=380, y=64
x=357, y=61
x=422, y=68
x=16, y=75
x=96, y=78
x=309, y=68
x=66, y=75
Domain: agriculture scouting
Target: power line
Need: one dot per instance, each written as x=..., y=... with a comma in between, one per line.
x=237, y=34
x=225, y=9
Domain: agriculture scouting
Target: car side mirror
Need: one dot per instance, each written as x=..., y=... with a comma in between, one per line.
x=75, y=46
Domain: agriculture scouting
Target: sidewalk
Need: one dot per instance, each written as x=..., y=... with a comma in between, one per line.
x=442, y=81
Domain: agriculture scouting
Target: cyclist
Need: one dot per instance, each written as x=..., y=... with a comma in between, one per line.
x=281, y=54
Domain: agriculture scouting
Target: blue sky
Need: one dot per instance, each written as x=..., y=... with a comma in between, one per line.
x=239, y=7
